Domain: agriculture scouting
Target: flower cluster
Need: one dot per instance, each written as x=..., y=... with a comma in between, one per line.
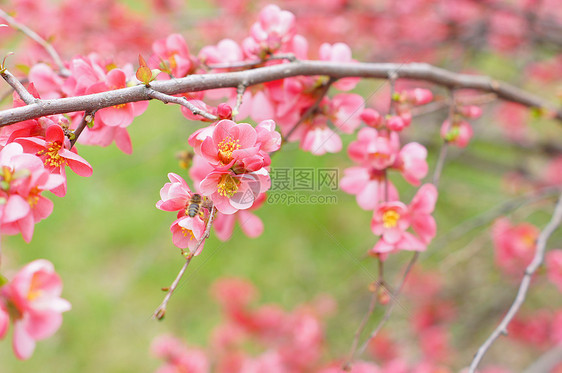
x=32, y=303
x=230, y=172
x=377, y=152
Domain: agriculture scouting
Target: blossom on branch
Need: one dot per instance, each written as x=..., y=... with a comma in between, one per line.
x=34, y=306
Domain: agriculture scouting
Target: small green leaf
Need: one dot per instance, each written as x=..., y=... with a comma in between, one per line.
x=3, y=281
x=538, y=112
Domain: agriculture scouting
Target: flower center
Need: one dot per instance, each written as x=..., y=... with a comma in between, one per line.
x=187, y=232
x=34, y=288
x=529, y=240
x=226, y=148
x=172, y=60
x=33, y=197
x=7, y=174
x=227, y=186
x=51, y=155
x=390, y=218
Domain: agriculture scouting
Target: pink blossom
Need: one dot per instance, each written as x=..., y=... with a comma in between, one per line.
x=175, y=195
x=53, y=151
x=186, y=233
x=411, y=162
x=178, y=357
x=369, y=185
x=391, y=219
x=318, y=139
x=274, y=29
x=395, y=123
x=459, y=133
x=47, y=82
x=554, y=267
x=171, y=55
x=33, y=297
x=250, y=224
x=344, y=111
x=23, y=179
x=417, y=96
x=470, y=111
x=268, y=139
x=374, y=148
x=118, y=115
x=197, y=137
x=225, y=52
x=103, y=135
x=229, y=143
x=231, y=192
x=338, y=52
x=514, y=244
x=371, y=117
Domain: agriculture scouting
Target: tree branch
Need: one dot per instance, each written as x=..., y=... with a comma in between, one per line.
x=160, y=312
x=18, y=87
x=38, y=39
x=524, y=287
x=180, y=101
x=201, y=82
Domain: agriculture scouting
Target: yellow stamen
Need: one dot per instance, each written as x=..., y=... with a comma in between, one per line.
x=52, y=158
x=390, y=218
x=7, y=174
x=187, y=232
x=226, y=148
x=227, y=186
x=33, y=197
x=34, y=290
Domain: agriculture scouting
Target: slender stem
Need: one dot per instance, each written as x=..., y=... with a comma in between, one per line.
x=394, y=302
x=443, y=151
x=240, y=90
x=38, y=39
x=18, y=87
x=88, y=118
x=161, y=310
x=367, y=316
x=183, y=101
x=312, y=109
x=523, y=287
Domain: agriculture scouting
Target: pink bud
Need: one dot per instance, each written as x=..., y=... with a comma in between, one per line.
x=395, y=123
x=470, y=111
x=419, y=96
x=224, y=111
x=371, y=117
x=406, y=117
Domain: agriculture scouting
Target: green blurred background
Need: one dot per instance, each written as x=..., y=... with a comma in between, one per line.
x=113, y=249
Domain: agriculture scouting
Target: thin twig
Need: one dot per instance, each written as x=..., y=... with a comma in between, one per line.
x=443, y=151
x=88, y=118
x=524, y=286
x=38, y=39
x=366, y=317
x=312, y=109
x=392, y=76
x=18, y=87
x=486, y=217
x=336, y=70
x=161, y=310
x=394, y=302
x=183, y=101
x=240, y=90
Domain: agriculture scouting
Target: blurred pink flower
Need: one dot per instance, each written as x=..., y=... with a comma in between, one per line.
x=33, y=298
x=514, y=245
x=554, y=267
